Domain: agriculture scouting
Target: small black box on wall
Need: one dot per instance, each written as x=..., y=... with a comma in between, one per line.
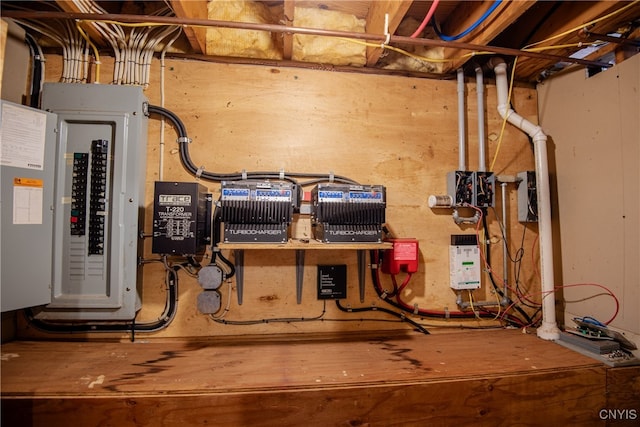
x=332, y=281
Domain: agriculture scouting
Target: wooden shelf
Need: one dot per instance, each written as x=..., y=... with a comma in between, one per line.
x=300, y=246
x=475, y=378
x=296, y=244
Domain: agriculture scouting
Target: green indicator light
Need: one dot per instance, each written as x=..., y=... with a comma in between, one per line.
x=467, y=263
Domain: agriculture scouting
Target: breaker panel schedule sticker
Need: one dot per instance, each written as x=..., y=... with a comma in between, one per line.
x=27, y=200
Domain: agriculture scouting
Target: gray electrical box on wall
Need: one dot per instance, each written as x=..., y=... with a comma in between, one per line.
x=99, y=198
x=27, y=150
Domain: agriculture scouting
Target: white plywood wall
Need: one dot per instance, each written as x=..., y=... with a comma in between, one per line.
x=594, y=125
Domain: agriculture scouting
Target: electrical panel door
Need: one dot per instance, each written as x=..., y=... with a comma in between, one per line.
x=27, y=150
x=99, y=195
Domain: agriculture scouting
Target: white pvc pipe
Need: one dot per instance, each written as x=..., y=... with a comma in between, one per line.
x=482, y=162
x=548, y=330
x=462, y=164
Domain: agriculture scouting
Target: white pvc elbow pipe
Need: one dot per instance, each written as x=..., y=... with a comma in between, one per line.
x=548, y=330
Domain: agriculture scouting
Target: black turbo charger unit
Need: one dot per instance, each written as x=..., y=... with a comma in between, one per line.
x=257, y=211
x=345, y=213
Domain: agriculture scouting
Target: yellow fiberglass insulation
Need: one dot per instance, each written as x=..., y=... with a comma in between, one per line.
x=392, y=60
x=237, y=42
x=328, y=50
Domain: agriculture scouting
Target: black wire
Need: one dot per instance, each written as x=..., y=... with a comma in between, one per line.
x=229, y=264
x=493, y=281
x=401, y=316
x=168, y=315
x=273, y=319
x=517, y=262
x=37, y=69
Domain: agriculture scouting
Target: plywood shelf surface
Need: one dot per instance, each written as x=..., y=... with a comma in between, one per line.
x=401, y=378
x=212, y=366
x=297, y=244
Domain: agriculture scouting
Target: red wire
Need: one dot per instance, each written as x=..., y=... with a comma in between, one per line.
x=427, y=18
x=609, y=291
x=522, y=296
x=615, y=314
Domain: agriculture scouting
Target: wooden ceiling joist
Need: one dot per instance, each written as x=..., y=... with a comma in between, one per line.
x=568, y=16
x=196, y=9
x=92, y=32
x=468, y=13
x=376, y=20
x=287, y=38
x=512, y=26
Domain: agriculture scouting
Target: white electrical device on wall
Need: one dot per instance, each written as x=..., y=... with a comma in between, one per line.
x=464, y=262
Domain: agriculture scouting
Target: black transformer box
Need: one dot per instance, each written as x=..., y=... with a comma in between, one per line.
x=181, y=218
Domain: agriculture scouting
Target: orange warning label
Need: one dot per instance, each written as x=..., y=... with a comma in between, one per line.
x=28, y=182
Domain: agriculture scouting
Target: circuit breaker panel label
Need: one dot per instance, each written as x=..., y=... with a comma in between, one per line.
x=174, y=222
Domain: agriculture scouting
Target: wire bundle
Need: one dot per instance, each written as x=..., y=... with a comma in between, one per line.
x=75, y=49
x=133, y=45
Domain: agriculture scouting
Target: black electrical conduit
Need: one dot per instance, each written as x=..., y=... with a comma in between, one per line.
x=37, y=70
x=107, y=326
x=188, y=164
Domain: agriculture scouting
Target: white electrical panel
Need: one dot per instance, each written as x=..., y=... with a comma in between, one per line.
x=464, y=262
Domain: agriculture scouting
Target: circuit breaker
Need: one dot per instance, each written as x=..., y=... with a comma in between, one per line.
x=464, y=262
x=181, y=218
x=98, y=200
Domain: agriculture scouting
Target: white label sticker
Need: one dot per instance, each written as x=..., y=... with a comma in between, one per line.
x=22, y=136
x=27, y=204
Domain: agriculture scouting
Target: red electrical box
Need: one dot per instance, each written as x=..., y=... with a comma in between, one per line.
x=403, y=256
